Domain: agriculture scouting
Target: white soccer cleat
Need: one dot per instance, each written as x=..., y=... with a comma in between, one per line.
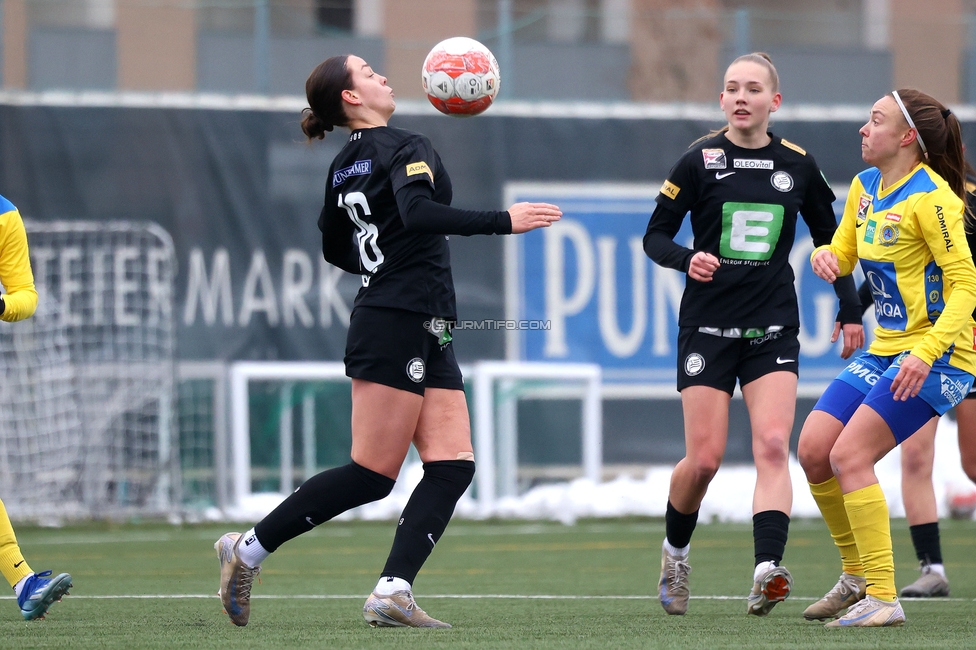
x=871, y=612
x=673, y=589
x=772, y=587
x=848, y=590
x=397, y=610
x=236, y=579
x=931, y=584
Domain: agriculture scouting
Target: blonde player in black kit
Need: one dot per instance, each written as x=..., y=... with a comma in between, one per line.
x=386, y=216
x=739, y=317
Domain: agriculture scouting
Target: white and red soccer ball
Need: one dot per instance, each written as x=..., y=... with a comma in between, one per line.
x=961, y=500
x=460, y=77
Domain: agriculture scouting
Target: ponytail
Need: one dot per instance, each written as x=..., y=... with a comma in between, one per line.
x=939, y=129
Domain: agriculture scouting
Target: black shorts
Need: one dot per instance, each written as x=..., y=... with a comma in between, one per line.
x=395, y=347
x=717, y=361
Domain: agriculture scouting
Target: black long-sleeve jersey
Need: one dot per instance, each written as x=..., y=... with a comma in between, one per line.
x=386, y=215
x=744, y=205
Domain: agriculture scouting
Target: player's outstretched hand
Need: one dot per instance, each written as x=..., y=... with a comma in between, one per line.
x=529, y=216
x=853, y=338
x=825, y=265
x=702, y=266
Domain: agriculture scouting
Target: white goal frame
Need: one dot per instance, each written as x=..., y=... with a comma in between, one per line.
x=585, y=381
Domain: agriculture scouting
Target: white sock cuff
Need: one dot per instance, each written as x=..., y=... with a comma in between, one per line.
x=673, y=550
x=937, y=568
x=250, y=550
x=388, y=585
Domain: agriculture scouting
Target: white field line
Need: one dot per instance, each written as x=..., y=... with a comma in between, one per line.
x=446, y=596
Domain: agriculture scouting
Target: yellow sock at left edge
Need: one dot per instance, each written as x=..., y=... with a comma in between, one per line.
x=12, y=563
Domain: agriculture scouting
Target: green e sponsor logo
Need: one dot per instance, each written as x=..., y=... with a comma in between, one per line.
x=750, y=230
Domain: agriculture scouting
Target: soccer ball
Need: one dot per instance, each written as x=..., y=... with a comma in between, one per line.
x=460, y=77
x=961, y=500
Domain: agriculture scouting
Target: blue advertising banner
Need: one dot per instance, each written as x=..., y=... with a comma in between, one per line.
x=584, y=291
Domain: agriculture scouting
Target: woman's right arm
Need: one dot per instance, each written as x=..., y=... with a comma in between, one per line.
x=659, y=244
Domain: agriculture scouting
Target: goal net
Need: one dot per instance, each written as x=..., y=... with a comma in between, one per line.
x=87, y=397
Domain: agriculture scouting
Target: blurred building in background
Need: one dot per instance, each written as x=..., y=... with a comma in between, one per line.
x=828, y=51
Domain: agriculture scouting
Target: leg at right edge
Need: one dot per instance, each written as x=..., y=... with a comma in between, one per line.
x=918, y=495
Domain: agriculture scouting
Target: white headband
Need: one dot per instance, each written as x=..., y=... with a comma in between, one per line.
x=911, y=124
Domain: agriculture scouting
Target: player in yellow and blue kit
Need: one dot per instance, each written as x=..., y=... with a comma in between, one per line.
x=904, y=221
x=36, y=592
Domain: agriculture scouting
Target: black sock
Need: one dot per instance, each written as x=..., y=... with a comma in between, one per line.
x=678, y=526
x=925, y=539
x=770, y=529
x=426, y=516
x=318, y=500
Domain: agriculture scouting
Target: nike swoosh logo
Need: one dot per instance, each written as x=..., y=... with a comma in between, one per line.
x=858, y=225
x=19, y=563
x=781, y=360
x=431, y=538
x=719, y=176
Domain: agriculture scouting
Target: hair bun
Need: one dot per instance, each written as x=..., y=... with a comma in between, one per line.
x=313, y=127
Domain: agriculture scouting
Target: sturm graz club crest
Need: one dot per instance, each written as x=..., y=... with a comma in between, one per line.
x=416, y=370
x=782, y=181
x=694, y=364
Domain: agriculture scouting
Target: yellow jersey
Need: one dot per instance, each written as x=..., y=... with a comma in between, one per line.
x=911, y=243
x=20, y=299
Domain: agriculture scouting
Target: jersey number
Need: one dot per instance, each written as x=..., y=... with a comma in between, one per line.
x=750, y=230
x=369, y=251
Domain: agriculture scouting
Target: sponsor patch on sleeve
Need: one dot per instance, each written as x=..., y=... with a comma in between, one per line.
x=419, y=168
x=670, y=190
x=795, y=147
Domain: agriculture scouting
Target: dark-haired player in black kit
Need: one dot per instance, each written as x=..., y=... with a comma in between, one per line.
x=739, y=317
x=386, y=216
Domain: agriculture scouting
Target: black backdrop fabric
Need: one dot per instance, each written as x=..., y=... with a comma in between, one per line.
x=244, y=188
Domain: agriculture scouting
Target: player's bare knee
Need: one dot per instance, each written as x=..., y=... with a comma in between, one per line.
x=814, y=459
x=916, y=467
x=773, y=450
x=841, y=462
x=705, y=467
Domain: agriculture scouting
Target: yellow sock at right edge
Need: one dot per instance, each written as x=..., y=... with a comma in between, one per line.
x=830, y=500
x=12, y=563
x=867, y=511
